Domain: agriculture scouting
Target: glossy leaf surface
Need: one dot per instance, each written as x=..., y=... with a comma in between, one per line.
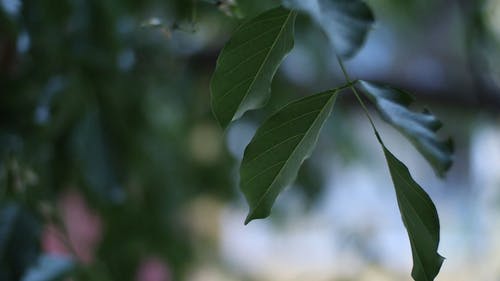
x=419, y=128
x=345, y=22
x=420, y=219
x=248, y=62
x=276, y=152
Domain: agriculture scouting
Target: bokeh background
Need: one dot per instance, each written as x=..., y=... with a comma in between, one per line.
x=110, y=156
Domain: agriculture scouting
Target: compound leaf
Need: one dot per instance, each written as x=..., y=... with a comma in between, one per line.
x=419, y=128
x=419, y=217
x=248, y=62
x=274, y=155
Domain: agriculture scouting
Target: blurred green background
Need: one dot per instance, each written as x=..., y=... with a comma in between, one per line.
x=110, y=156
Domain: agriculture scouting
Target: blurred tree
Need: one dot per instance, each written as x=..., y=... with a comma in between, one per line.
x=93, y=102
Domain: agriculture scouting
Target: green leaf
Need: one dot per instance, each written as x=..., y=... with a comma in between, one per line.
x=345, y=22
x=274, y=155
x=49, y=268
x=419, y=128
x=248, y=62
x=419, y=217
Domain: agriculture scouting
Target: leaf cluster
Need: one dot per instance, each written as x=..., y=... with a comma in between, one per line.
x=242, y=81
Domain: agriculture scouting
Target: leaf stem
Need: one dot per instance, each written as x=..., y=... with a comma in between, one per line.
x=348, y=84
x=342, y=67
x=358, y=97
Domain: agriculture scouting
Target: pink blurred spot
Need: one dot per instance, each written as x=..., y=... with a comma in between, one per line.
x=83, y=225
x=153, y=269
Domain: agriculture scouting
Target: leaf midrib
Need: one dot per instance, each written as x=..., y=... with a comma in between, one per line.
x=272, y=147
x=238, y=47
x=418, y=194
x=265, y=59
x=417, y=252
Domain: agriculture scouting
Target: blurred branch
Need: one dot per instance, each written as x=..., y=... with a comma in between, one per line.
x=476, y=39
x=449, y=97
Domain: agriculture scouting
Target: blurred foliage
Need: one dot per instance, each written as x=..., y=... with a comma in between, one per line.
x=110, y=98
x=91, y=100
x=19, y=236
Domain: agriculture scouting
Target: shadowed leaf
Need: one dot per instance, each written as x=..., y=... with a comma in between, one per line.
x=419, y=217
x=419, y=128
x=345, y=22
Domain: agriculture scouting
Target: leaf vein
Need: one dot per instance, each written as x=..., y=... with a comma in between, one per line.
x=233, y=88
x=267, y=56
x=287, y=122
x=237, y=47
x=243, y=28
x=272, y=147
x=262, y=172
x=232, y=69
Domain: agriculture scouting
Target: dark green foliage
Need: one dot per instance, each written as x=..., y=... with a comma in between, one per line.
x=273, y=157
x=248, y=62
x=419, y=217
x=280, y=145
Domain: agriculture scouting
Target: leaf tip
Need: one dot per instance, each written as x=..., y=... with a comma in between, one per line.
x=250, y=217
x=248, y=220
x=256, y=213
x=223, y=125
